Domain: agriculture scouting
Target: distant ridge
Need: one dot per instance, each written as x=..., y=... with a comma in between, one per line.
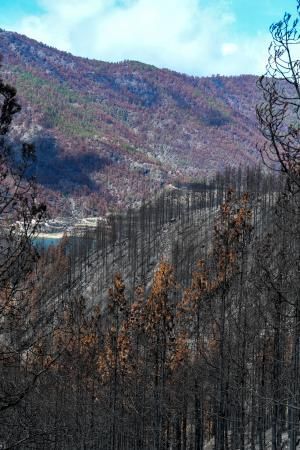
x=109, y=133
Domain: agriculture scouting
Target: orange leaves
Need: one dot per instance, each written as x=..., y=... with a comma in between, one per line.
x=158, y=309
x=231, y=230
x=163, y=279
x=105, y=362
x=137, y=315
x=115, y=355
x=200, y=279
x=88, y=341
x=117, y=294
x=124, y=350
x=201, y=285
x=181, y=353
x=114, y=358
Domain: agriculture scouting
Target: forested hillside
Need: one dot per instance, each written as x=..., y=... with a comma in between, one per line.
x=123, y=130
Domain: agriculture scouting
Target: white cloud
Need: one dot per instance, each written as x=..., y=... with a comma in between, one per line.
x=229, y=48
x=183, y=35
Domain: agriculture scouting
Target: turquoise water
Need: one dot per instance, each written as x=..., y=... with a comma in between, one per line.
x=45, y=242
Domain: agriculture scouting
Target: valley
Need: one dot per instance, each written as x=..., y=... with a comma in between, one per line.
x=149, y=242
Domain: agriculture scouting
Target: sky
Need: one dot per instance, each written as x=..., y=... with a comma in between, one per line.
x=197, y=37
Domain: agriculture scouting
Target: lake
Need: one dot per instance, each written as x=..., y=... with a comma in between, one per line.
x=44, y=243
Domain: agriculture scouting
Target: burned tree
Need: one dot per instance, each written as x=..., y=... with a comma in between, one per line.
x=20, y=216
x=279, y=113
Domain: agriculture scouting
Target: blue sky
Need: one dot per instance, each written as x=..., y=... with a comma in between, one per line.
x=199, y=37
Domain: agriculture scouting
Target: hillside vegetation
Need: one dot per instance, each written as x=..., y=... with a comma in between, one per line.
x=123, y=130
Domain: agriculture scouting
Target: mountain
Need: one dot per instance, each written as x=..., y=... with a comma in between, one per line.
x=107, y=134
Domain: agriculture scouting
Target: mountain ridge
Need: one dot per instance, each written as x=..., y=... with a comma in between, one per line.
x=108, y=134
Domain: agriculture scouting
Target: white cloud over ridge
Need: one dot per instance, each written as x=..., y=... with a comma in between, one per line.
x=182, y=35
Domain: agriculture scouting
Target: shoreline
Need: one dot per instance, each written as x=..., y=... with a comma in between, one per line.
x=50, y=235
